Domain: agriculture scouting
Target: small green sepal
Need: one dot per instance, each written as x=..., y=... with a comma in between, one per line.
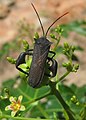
x=11, y=60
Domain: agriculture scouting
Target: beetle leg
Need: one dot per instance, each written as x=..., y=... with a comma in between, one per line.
x=21, y=59
x=52, y=53
x=53, y=67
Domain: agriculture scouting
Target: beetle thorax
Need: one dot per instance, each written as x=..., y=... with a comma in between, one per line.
x=43, y=42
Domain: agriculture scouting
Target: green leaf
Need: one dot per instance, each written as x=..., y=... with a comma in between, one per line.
x=75, y=26
x=59, y=49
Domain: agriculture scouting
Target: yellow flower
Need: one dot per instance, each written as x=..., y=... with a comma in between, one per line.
x=15, y=105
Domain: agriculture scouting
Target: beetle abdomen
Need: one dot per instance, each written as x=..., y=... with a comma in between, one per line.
x=37, y=69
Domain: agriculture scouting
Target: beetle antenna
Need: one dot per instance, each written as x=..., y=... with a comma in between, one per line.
x=38, y=18
x=55, y=22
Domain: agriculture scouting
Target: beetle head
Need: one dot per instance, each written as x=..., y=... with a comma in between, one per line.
x=43, y=42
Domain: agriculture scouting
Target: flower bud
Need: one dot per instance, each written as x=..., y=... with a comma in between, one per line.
x=76, y=66
x=11, y=60
x=6, y=90
x=66, y=45
x=26, y=45
x=73, y=48
x=59, y=30
x=53, y=36
x=77, y=103
x=64, y=64
x=36, y=36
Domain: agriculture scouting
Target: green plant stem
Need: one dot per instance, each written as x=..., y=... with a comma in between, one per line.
x=23, y=93
x=63, y=76
x=20, y=118
x=43, y=112
x=36, y=99
x=55, y=92
x=58, y=40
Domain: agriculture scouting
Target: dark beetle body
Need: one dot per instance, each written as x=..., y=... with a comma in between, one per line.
x=40, y=54
x=39, y=58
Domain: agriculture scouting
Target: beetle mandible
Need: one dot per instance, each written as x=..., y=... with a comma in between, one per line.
x=39, y=57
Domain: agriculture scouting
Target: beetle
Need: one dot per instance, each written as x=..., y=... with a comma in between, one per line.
x=39, y=57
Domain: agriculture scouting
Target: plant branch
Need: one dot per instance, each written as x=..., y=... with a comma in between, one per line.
x=36, y=99
x=55, y=92
x=63, y=76
x=20, y=118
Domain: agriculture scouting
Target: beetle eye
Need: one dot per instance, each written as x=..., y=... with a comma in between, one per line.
x=38, y=42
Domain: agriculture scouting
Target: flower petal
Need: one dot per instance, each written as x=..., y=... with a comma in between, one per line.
x=20, y=98
x=13, y=113
x=12, y=99
x=22, y=108
x=8, y=108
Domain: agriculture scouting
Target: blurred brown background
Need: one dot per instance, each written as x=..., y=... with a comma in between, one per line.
x=12, y=11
